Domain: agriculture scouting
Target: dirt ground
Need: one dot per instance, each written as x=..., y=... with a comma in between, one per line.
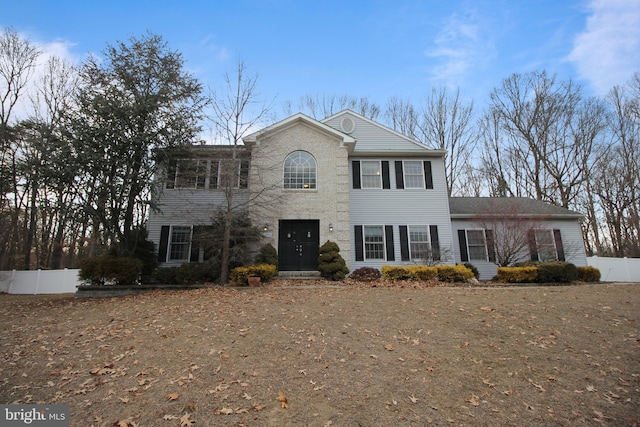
x=330, y=356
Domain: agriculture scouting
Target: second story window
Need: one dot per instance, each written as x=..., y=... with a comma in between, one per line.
x=300, y=171
x=371, y=174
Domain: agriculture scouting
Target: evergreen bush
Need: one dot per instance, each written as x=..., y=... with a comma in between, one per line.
x=103, y=270
x=239, y=275
x=267, y=255
x=330, y=263
x=588, y=274
x=454, y=273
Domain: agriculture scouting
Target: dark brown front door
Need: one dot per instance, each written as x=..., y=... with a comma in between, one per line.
x=298, y=242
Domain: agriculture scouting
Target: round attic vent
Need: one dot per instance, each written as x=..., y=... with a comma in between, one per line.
x=347, y=125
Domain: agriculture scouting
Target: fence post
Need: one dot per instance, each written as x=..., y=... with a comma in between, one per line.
x=13, y=278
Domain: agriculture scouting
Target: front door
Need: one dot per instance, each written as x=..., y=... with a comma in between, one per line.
x=298, y=243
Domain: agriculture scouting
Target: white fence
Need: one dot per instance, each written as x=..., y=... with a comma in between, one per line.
x=39, y=281
x=616, y=269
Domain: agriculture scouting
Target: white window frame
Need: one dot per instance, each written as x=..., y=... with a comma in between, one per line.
x=410, y=177
x=383, y=243
x=411, y=242
x=184, y=245
x=293, y=178
x=477, y=245
x=547, y=251
x=364, y=178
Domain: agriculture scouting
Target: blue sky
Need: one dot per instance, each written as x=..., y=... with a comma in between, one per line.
x=374, y=49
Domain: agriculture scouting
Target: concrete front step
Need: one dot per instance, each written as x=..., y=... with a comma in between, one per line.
x=300, y=275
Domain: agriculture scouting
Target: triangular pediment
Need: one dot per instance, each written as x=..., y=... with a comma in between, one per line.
x=299, y=120
x=374, y=138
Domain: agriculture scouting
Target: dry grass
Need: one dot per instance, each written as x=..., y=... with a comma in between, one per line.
x=320, y=356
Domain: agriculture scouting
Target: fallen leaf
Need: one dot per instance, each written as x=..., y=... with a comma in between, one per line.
x=224, y=411
x=173, y=396
x=185, y=421
x=282, y=399
x=388, y=347
x=413, y=399
x=473, y=400
x=169, y=417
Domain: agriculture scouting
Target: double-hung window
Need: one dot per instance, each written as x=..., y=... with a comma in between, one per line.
x=545, y=245
x=419, y=242
x=371, y=174
x=373, y=242
x=413, y=174
x=179, y=243
x=477, y=245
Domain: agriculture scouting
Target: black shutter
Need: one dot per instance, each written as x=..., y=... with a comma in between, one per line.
x=404, y=243
x=559, y=247
x=462, y=239
x=435, y=242
x=428, y=177
x=532, y=245
x=355, y=170
x=164, y=243
x=386, y=180
x=399, y=175
x=359, y=243
x=491, y=249
x=196, y=243
x=388, y=232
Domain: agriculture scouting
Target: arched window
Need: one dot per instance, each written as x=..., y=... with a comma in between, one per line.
x=300, y=171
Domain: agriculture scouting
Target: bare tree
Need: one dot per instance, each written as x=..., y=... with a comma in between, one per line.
x=18, y=60
x=446, y=122
x=403, y=117
x=509, y=230
x=236, y=112
x=323, y=106
x=550, y=134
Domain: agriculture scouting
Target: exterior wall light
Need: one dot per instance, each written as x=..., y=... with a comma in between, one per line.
x=265, y=227
x=330, y=227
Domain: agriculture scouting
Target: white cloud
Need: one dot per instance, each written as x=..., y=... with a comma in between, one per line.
x=459, y=47
x=607, y=52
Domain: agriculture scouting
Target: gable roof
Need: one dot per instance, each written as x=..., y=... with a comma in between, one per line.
x=374, y=138
x=299, y=118
x=469, y=207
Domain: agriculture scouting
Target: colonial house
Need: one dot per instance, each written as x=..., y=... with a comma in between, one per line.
x=381, y=196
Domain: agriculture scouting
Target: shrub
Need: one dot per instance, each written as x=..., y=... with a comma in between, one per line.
x=330, y=263
x=517, y=274
x=454, y=273
x=365, y=274
x=166, y=275
x=588, y=274
x=395, y=272
x=422, y=272
x=239, y=275
x=556, y=271
x=267, y=255
x=110, y=270
x=473, y=269
x=408, y=272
